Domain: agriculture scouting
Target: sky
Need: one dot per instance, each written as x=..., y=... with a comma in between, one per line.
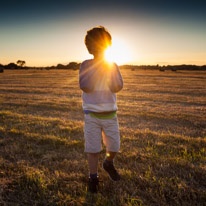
x=48, y=32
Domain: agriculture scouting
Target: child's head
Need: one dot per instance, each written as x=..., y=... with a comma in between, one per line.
x=97, y=40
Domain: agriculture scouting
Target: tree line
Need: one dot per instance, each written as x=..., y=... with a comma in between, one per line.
x=165, y=68
x=21, y=64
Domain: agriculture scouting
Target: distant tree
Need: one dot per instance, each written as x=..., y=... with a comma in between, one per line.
x=21, y=63
x=11, y=66
x=1, y=68
x=73, y=65
x=203, y=67
x=53, y=67
x=60, y=66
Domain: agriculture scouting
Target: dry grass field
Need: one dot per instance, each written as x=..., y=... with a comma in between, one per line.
x=162, y=161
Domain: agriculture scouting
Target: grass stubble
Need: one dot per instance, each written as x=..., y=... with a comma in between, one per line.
x=162, y=160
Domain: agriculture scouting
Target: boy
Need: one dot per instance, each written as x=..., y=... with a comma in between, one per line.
x=99, y=81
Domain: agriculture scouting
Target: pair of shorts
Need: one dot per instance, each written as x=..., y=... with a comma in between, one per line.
x=96, y=129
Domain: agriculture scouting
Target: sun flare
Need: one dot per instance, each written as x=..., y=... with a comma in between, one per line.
x=118, y=52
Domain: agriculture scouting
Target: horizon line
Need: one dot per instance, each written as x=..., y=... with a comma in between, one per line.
x=127, y=64
x=130, y=64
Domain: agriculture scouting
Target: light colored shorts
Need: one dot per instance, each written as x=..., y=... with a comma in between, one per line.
x=96, y=129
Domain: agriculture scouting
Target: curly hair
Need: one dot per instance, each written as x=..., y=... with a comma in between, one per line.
x=97, y=39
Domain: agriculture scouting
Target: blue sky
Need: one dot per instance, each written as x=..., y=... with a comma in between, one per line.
x=50, y=32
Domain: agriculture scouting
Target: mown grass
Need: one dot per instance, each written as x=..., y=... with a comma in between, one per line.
x=162, y=160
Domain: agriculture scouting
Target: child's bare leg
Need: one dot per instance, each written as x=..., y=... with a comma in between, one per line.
x=93, y=162
x=93, y=177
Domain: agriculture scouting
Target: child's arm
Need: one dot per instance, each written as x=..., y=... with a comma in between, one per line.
x=116, y=80
x=85, y=78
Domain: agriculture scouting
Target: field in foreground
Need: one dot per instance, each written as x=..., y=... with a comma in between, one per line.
x=162, y=161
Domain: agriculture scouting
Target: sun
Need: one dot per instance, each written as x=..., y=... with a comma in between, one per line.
x=118, y=52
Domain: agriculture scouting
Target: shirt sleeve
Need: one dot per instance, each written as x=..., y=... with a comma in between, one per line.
x=116, y=80
x=85, y=78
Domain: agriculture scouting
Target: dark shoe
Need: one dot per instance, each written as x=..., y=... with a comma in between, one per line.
x=113, y=174
x=93, y=185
